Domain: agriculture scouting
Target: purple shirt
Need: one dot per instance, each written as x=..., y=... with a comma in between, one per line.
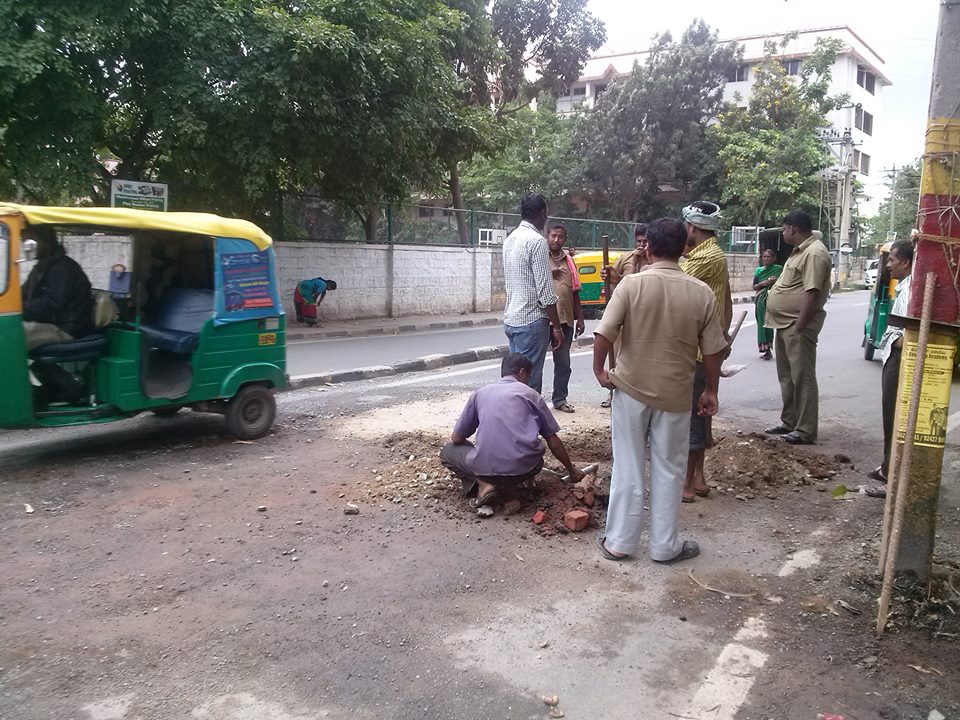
x=508, y=418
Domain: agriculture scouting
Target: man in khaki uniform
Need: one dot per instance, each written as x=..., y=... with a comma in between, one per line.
x=629, y=262
x=662, y=317
x=795, y=310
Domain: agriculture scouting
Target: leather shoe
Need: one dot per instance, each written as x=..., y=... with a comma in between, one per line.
x=795, y=439
x=878, y=475
x=777, y=430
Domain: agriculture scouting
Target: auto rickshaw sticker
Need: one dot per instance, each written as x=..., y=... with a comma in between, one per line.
x=268, y=338
x=934, y=394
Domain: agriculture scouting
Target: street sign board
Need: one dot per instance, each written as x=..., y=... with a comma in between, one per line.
x=139, y=195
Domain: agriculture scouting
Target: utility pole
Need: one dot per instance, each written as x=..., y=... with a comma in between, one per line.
x=937, y=256
x=893, y=198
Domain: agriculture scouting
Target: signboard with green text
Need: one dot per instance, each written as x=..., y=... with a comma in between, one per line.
x=139, y=195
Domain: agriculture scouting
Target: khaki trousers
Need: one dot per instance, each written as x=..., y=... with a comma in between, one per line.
x=36, y=334
x=797, y=370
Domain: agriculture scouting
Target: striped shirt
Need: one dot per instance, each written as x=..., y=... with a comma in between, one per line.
x=526, y=273
x=708, y=263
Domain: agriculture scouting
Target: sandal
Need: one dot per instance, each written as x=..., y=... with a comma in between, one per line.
x=601, y=539
x=605, y=404
x=687, y=499
x=689, y=550
x=491, y=498
x=702, y=493
x=564, y=408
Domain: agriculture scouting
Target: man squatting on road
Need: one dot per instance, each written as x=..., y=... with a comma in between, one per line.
x=663, y=318
x=566, y=283
x=795, y=310
x=508, y=418
x=706, y=262
x=530, y=319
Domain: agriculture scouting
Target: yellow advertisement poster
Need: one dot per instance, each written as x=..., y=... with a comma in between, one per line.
x=934, y=394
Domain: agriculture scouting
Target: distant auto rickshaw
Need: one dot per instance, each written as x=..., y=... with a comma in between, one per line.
x=204, y=327
x=592, y=293
x=882, y=295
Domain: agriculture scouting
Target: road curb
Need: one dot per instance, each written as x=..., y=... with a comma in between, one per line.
x=427, y=362
x=425, y=326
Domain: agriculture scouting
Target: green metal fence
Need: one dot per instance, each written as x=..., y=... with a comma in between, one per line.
x=307, y=218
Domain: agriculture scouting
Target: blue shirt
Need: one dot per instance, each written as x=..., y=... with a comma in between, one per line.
x=508, y=418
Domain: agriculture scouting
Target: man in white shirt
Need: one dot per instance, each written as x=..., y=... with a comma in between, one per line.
x=530, y=319
x=899, y=263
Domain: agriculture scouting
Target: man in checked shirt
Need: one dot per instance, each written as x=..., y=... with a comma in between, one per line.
x=530, y=319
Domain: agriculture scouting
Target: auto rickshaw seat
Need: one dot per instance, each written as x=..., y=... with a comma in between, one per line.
x=180, y=318
x=89, y=347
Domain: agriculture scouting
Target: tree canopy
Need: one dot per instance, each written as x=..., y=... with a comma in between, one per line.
x=646, y=133
x=905, y=197
x=771, y=151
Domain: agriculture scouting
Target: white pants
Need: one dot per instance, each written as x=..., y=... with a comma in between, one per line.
x=669, y=435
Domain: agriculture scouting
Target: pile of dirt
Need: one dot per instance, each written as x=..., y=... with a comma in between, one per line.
x=749, y=464
x=416, y=476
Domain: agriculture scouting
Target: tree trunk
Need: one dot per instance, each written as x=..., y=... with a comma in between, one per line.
x=370, y=220
x=459, y=211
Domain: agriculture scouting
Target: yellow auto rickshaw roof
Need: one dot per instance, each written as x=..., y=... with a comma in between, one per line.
x=186, y=222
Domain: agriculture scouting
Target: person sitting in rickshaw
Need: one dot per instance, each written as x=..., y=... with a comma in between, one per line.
x=57, y=298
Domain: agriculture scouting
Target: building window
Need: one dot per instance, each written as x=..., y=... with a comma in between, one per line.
x=580, y=91
x=598, y=90
x=791, y=67
x=861, y=162
x=424, y=212
x=739, y=74
x=866, y=79
x=864, y=121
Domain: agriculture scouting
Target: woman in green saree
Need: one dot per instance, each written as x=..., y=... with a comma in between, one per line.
x=764, y=278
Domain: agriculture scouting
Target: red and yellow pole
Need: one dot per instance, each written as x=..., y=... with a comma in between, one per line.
x=936, y=260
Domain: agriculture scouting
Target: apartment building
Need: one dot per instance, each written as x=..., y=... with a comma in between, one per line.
x=857, y=72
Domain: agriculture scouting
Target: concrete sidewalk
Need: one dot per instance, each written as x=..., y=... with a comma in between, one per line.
x=369, y=327
x=418, y=323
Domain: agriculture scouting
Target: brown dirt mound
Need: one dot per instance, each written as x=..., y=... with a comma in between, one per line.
x=416, y=476
x=752, y=463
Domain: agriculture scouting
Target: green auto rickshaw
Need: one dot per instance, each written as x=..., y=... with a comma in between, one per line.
x=882, y=295
x=199, y=323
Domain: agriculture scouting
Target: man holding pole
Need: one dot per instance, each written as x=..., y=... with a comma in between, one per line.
x=662, y=318
x=530, y=319
x=706, y=262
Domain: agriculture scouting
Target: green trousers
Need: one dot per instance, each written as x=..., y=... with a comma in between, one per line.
x=797, y=370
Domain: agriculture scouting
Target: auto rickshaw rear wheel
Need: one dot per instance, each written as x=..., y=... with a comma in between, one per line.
x=868, y=349
x=251, y=412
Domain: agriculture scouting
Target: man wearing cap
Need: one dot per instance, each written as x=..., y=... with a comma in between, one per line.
x=706, y=262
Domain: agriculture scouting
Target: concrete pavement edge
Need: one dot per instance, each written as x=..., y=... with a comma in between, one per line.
x=428, y=362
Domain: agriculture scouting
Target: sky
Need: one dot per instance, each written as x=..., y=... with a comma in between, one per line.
x=902, y=33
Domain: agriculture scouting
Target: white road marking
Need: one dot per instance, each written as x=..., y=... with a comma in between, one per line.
x=457, y=373
x=727, y=685
x=800, y=560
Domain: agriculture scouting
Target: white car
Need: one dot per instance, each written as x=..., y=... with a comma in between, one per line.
x=870, y=276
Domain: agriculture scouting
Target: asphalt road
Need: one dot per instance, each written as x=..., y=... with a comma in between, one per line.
x=165, y=571
x=318, y=356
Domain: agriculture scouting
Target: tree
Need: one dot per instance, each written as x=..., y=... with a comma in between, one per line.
x=646, y=132
x=771, y=151
x=536, y=151
x=231, y=102
x=511, y=51
x=904, y=197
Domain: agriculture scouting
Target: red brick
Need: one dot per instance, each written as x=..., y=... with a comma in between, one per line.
x=589, y=498
x=576, y=520
x=538, y=517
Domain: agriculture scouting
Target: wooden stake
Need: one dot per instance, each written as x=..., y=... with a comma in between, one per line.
x=902, y=475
